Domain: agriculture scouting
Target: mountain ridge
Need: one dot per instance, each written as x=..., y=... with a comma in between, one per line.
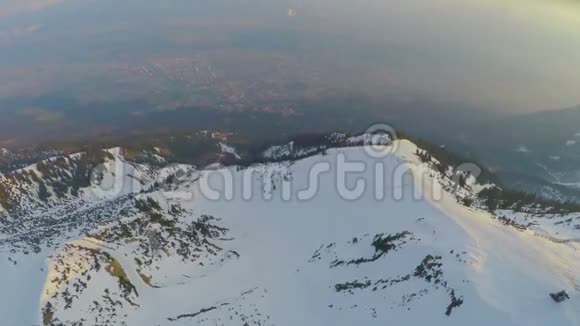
x=157, y=244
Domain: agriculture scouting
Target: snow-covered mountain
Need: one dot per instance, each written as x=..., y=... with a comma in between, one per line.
x=281, y=242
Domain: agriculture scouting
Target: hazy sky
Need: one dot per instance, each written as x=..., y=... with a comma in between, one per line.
x=509, y=54
x=13, y=7
x=512, y=55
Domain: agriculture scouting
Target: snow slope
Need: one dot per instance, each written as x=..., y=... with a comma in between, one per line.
x=412, y=256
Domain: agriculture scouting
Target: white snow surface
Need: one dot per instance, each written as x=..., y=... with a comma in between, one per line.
x=369, y=139
x=308, y=262
x=225, y=148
